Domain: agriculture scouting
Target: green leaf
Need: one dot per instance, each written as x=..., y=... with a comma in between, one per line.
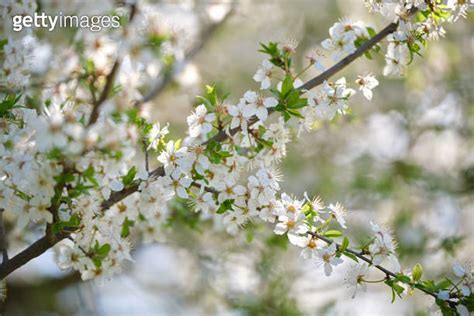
x=225, y=206
x=417, y=272
x=371, y=31
x=3, y=42
x=126, y=227
x=333, y=233
x=351, y=256
x=128, y=178
x=403, y=278
x=8, y=103
x=102, y=250
x=359, y=42
x=344, y=244
x=397, y=289
x=265, y=143
x=215, y=153
x=211, y=94
x=156, y=40
x=286, y=116
x=88, y=174
x=442, y=285
x=286, y=86
x=294, y=113
x=89, y=66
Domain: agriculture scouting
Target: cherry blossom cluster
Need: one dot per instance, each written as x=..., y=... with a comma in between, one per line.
x=69, y=164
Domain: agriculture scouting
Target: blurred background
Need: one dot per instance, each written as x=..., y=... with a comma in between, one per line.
x=405, y=159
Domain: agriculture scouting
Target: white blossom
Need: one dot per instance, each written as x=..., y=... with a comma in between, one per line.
x=356, y=277
x=156, y=134
x=264, y=74
x=327, y=258
x=366, y=84
x=200, y=121
x=258, y=105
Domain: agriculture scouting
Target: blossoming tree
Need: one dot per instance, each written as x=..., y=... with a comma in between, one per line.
x=69, y=161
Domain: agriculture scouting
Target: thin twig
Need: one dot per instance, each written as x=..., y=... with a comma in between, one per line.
x=3, y=239
x=361, y=256
x=109, y=80
x=147, y=158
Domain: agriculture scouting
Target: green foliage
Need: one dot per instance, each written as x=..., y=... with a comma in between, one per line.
x=212, y=97
x=126, y=227
x=22, y=195
x=332, y=233
x=73, y=222
x=64, y=178
x=417, y=272
x=89, y=174
x=215, y=153
x=397, y=289
x=350, y=256
x=9, y=102
x=225, y=206
x=155, y=41
x=127, y=179
x=469, y=302
x=344, y=245
x=290, y=99
x=89, y=67
x=100, y=252
x=278, y=57
x=3, y=42
x=55, y=154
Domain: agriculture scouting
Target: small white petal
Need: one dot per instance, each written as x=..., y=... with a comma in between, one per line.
x=116, y=185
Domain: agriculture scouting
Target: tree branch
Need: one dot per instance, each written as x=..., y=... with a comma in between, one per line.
x=389, y=29
x=47, y=242
x=109, y=83
x=34, y=250
x=110, y=79
x=3, y=239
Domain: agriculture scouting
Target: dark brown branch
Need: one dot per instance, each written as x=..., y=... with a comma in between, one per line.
x=389, y=29
x=109, y=80
x=33, y=251
x=118, y=196
x=109, y=83
x=3, y=239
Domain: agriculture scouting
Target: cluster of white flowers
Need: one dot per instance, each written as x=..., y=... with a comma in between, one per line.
x=343, y=37
x=55, y=168
x=18, y=61
x=17, y=49
x=465, y=287
x=411, y=36
x=325, y=102
x=300, y=219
